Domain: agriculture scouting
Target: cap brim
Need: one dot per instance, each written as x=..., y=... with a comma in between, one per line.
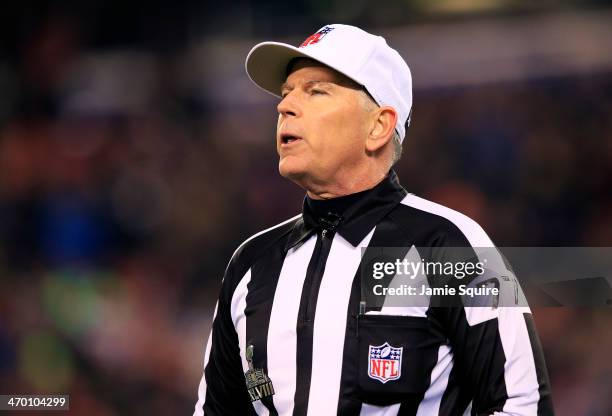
x=266, y=64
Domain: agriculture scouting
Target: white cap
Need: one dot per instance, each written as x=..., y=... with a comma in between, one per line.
x=361, y=56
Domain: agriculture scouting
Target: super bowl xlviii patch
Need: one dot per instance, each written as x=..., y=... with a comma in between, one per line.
x=385, y=362
x=258, y=383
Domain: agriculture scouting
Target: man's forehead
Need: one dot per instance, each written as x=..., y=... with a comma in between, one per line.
x=297, y=63
x=321, y=73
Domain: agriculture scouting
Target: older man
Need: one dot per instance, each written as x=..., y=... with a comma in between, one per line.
x=296, y=331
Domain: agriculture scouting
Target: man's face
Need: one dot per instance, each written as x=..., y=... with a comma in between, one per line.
x=322, y=125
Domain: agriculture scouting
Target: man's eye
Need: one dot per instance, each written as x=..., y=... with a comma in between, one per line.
x=315, y=91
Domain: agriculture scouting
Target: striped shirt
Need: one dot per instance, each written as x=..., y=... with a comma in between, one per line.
x=293, y=293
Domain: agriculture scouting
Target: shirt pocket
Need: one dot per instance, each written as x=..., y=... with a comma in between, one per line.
x=396, y=355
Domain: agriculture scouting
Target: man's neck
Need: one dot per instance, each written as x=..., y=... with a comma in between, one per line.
x=352, y=186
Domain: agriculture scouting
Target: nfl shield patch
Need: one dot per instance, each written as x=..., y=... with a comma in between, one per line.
x=385, y=362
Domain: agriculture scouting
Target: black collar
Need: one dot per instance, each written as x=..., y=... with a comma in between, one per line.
x=354, y=222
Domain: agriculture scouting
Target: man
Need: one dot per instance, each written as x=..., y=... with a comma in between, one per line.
x=293, y=333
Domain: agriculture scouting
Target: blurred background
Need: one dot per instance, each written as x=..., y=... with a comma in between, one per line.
x=135, y=156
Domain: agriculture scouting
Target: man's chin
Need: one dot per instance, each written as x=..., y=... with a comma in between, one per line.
x=288, y=169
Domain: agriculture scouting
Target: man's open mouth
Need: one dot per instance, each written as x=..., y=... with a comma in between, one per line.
x=288, y=138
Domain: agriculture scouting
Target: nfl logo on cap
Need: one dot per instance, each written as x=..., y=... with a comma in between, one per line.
x=385, y=362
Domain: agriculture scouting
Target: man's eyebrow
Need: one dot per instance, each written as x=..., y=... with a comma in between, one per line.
x=307, y=83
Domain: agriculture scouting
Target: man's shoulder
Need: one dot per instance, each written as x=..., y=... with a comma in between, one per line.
x=424, y=216
x=259, y=242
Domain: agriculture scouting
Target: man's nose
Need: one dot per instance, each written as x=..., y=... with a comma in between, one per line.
x=288, y=106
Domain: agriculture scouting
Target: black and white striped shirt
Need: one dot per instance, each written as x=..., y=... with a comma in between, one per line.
x=293, y=293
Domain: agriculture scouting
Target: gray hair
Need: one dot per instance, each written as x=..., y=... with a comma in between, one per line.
x=397, y=148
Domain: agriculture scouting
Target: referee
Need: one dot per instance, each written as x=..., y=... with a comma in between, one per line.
x=293, y=333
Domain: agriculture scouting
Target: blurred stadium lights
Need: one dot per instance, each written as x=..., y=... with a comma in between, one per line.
x=444, y=54
x=456, y=7
x=495, y=41
x=508, y=49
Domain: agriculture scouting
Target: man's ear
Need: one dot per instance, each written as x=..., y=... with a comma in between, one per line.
x=382, y=129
